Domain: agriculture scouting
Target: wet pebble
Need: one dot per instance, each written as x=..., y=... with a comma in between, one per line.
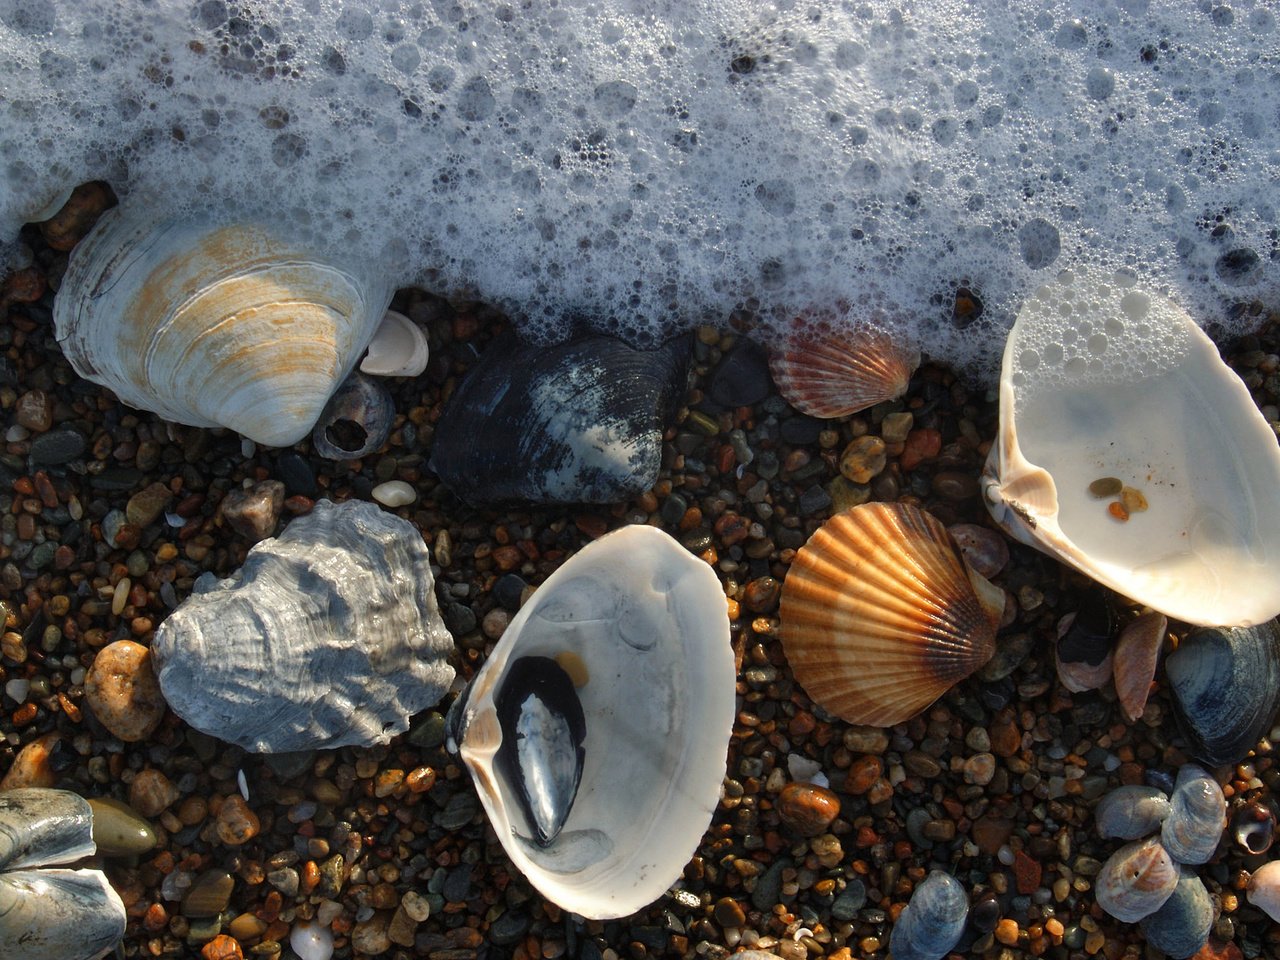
x=394, y=493
x=236, y=824
x=145, y=506
x=254, y=512
x=807, y=808
x=151, y=792
x=122, y=691
x=34, y=410
x=863, y=459
x=57, y=447
x=118, y=830
x=983, y=549
x=221, y=947
x=208, y=895
x=32, y=766
x=741, y=378
x=371, y=936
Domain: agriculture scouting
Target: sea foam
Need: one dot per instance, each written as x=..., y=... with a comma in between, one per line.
x=647, y=166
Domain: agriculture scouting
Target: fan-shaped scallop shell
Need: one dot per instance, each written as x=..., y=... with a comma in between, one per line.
x=833, y=374
x=880, y=616
x=210, y=324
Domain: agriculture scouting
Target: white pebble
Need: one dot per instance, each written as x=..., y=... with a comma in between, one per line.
x=803, y=768
x=247, y=447
x=16, y=433
x=394, y=493
x=310, y=941
x=17, y=689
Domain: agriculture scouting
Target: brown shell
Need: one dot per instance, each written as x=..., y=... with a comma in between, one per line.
x=1135, y=661
x=832, y=374
x=879, y=617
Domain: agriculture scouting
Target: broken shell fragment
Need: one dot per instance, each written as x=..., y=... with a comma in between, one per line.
x=1197, y=814
x=597, y=730
x=52, y=914
x=827, y=374
x=1104, y=380
x=356, y=421
x=1264, y=889
x=1134, y=664
x=328, y=635
x=880, y=616
x=933, y=920
x=1131, y=812
x=215, y=324
x=1225, y=685
x=1084, y=650
x=1136, y=880
x=398, y=348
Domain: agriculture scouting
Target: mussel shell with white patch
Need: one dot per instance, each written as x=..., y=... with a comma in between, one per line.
x=597, y=730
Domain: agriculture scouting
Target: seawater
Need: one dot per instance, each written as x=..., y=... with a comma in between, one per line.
x=644, y=167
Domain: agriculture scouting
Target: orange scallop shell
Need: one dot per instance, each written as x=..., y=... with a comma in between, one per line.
x=879, y=616
x=831, y=374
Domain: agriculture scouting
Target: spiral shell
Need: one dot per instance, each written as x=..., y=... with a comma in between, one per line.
x=880, y=616
x=1254, y=827
x=830, y=375
x=1197, y=814
x=210, y=324
x=1136, y=880
x=933, y=921
x=1131, y=812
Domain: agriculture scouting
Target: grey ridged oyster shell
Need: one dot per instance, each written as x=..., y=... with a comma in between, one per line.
x=933, y=921
x=329, y=635
x=1197, y=814
x=1181, y=927
x=1131, y=812
x=577, y=422
x=52, y=914
x=1225, y=685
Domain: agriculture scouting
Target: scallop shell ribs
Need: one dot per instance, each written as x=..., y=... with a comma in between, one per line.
x=829, y=375
x=880, y=616
x=329, y=635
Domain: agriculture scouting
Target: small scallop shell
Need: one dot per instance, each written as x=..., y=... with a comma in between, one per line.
x=1197, y=814
x=1181, y=927
x=1131, y=812
x=933, y=921
x=880, y=616
x=1134, y=664
x=1264, y=889
x=827, y=374
x=209, y=324
x=1136, y=880
x=1254, y=827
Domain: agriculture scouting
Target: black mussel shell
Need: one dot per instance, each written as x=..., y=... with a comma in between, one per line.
x=1092, y=631
x=577, y=422
x=543, y=729
x=356, y=421
x=1225, y=684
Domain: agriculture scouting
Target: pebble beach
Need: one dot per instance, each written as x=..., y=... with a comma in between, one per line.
x=823, y=829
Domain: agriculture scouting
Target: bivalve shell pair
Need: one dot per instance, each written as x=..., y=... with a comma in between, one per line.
x=328, y=635
x=1129, y=450
x=832, y=374
x=52, y=914
x=933, y=921
x=215, y=324
x=597, y=730
x=880, y=616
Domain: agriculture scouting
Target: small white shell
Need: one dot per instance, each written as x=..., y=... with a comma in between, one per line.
x=1102, y=380
x=1264, y=889
x=398, y=348
x=208, y=324
x=596, y=731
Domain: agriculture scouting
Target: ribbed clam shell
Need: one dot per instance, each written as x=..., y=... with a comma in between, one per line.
x=832, y=374
x=1197, y=814
x=1136, y=880
x=1134, y=664
x=1225, y=685
x=52, y=914
x=1264, y=889
x=212, y=324
x=1131, y=812
x=328, y=635
x=1181, y=926
x=933, y=921
x=879, y=617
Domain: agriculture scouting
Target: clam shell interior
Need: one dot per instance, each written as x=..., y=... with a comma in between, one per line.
x=638, y=626
x=1102, y=379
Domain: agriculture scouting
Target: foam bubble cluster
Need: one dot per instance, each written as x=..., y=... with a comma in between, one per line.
x=646, y=166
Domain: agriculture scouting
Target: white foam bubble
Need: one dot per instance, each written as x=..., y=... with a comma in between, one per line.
x=649, y=166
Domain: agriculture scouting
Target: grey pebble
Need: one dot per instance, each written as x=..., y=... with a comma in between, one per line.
x=769, y=886
x=57, y=447
x=851, y=900
x=814, y=500
x=458, y=883
x=509, y=928
x=741, y=379
x=458, y=812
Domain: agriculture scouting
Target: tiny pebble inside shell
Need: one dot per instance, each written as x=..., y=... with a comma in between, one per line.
x=394, y=493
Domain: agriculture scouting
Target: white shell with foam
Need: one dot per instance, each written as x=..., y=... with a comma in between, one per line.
x=398, y=348
x=1104, y=379
x=643, y=622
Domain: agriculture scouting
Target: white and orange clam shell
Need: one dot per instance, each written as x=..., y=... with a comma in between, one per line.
x=1130, y=451
x=833, y=373
x=1136, y=880
x=206, y=323
x=880, y=616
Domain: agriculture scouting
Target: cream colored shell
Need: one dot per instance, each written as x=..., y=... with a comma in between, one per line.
x=880, y=616
x=208, y=324
x=1104, y=380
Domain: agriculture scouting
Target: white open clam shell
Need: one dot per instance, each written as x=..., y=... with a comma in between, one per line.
x=640, y=627
x=1102, y=379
